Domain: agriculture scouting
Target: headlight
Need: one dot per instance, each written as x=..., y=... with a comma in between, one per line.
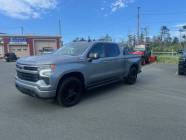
x=46, y=70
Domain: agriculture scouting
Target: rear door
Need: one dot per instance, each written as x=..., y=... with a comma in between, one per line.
x=127, y=57
x=114, y=60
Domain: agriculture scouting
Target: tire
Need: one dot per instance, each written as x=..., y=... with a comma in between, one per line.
x=180, y=73
x=69, y=93
x=132, y=76
x=147, y=61
x=143, y=61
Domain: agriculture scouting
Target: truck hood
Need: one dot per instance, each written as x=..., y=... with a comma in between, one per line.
x=47, y=59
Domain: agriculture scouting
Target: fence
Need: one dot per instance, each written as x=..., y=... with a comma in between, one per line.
x=172, y=53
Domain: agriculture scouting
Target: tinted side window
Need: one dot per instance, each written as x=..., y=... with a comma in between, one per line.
x=125, y=51
x=112, y=50
x=98, y=48
x=184, y=53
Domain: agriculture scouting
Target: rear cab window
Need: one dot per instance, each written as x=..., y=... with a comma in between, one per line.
x=126, y=51
x=105, y=50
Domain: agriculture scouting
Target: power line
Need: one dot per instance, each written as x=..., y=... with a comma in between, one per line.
x=168, y=13
x=10, y=27
x=163, y=22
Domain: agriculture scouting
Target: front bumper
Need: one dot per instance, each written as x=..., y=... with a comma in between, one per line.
x=37, y=89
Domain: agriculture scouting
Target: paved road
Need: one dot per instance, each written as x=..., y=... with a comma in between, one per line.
x=153, y=109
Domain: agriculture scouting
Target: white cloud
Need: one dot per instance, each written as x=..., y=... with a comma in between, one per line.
x=25, y=9
x=180, y=25
x=118, y=4
x=102, y=9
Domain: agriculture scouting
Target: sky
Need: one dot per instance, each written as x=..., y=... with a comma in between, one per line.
x=94, y=18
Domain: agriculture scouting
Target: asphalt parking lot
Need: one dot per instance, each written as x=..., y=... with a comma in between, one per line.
x=153, y=109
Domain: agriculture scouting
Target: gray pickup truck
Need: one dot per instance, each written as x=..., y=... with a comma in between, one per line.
x=75, y=68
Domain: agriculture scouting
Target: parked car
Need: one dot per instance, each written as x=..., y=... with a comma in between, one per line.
x=47, y=50
x=72, y=69
x=10, y=57
x=182, y=64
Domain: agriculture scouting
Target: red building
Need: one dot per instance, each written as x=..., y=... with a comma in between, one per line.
x=27, y=45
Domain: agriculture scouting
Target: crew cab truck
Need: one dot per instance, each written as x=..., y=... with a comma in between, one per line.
x=74, y=68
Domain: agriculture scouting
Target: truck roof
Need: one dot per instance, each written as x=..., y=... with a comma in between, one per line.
x=90, y=43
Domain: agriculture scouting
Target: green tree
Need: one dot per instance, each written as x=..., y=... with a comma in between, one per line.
x=165, y=34
x=106, y=38
x=175, y=41
x=142, y=38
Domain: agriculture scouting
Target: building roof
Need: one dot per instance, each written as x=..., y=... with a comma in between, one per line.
x=31, y=36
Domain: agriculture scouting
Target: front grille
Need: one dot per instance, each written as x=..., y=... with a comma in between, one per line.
x=30, y=68
x=28, y=76
x=182, y=63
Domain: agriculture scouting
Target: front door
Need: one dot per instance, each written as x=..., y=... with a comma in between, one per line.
x=97, y=70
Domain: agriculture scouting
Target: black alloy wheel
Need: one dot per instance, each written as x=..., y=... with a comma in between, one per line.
x=69, y=93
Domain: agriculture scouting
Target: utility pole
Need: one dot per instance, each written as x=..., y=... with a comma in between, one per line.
x=22, y=30
x=138, y=30
x=181, y=30
x=60, y=32
x=145, y=33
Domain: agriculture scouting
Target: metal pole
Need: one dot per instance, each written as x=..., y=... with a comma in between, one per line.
x=181, y=37
x=60, y=32
x=22, y=30
x=138, y=30
x=146, y=34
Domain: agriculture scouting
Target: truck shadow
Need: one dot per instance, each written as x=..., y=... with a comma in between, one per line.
x=96, y=93
x=102, y=91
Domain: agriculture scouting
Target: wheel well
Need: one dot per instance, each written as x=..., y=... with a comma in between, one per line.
x=72, y=74
x=136, y=66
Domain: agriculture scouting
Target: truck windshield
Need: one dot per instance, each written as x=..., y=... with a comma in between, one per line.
x=73, y=49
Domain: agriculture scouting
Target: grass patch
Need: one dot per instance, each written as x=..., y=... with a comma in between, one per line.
x=167, y=59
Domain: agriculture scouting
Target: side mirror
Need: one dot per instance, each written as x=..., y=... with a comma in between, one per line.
x=93, y=56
